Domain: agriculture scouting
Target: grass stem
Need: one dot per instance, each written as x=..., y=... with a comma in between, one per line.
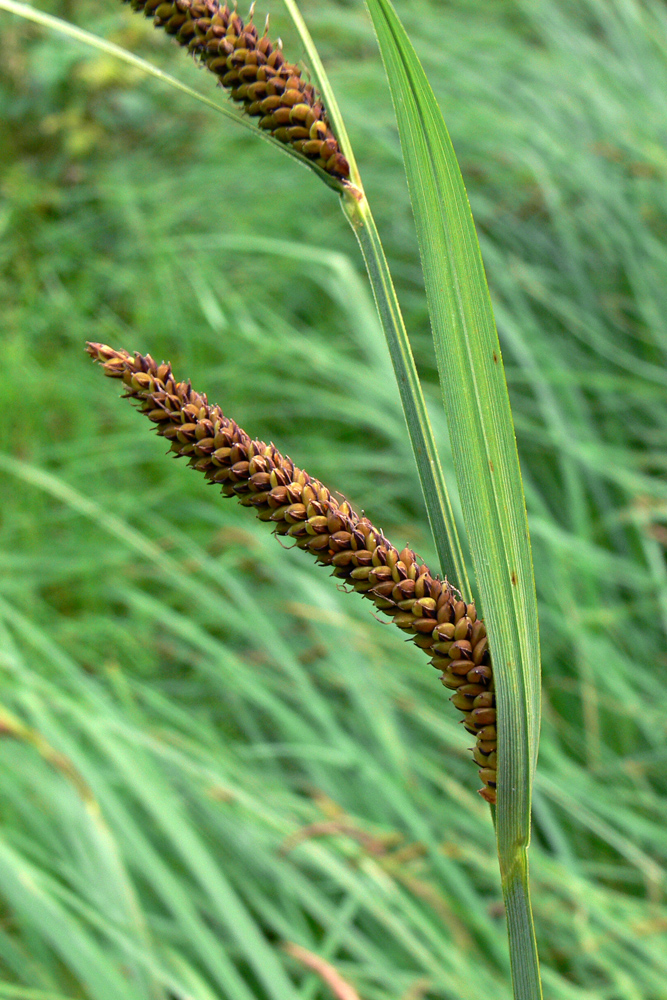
x=436, y=496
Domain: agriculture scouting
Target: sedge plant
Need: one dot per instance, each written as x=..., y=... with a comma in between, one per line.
x=492, y=664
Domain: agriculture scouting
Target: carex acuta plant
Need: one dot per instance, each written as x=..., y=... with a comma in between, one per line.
x=294, y=108
x=300, y=507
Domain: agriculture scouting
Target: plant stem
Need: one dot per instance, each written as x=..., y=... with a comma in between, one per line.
x=524, y=960
x=436, y=497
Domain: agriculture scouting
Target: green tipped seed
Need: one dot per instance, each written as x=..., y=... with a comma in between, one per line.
x=404, y=619
x=423, y=641
x=360, y=573
x=426, y=606
x=488, y=776
x=461, y=702
x=474, y=691
x=451, y=681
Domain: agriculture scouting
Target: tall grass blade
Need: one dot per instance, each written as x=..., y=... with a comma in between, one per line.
x=477, y=404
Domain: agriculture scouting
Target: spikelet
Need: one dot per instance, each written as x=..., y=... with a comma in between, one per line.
x=301, y=508
x=255, y=72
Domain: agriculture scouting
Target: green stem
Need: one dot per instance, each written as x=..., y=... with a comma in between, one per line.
x=436, y=497
x=524, y=960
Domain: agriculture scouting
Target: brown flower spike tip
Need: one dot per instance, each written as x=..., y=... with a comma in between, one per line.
x=301, y=508
x=255, y=72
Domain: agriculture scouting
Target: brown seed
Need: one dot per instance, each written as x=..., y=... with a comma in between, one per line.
x=461, y=650
x=260, y=481
x=335, y=521
x=341, y=539
x=484, y=699
x=480, y=673
x=460, y=667
x=291, y=98
x=423, y=625
x=484, y=716
x=478, y=632
x=463, y=628
x=317, y=526
x=426, y=607
x=404, y=588
x=344, y=559
x=318, y=542
x=295, y=512
x=480, y=650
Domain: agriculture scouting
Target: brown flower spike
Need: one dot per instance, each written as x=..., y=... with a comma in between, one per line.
x=255, y=72
x=300, y=507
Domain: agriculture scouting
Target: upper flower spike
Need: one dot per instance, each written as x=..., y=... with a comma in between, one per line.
x=255, y=72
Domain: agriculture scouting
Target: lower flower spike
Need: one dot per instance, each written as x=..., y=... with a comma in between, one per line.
x=300, y=507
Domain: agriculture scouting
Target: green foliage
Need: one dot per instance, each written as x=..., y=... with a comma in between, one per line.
x=163, y=757
x=474, y=390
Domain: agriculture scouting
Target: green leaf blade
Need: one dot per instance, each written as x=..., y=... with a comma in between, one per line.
x=483, y=443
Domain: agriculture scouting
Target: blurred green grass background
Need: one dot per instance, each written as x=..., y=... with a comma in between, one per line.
x=182, y=699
